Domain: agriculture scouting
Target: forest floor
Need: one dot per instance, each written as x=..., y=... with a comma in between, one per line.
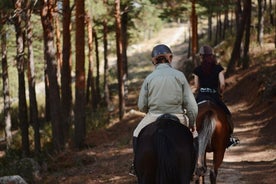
x=250, y=96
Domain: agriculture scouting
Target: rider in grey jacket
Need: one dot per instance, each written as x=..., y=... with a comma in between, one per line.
x=165, y=90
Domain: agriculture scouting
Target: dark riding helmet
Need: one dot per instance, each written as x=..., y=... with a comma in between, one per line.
x=161, y=50
x=206, y=50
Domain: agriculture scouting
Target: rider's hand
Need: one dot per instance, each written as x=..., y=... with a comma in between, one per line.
x=192, y=128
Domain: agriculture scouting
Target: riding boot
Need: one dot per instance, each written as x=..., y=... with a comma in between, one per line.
x=233, y=141
x=134, y=144
x=196, y=145
x=230, y=122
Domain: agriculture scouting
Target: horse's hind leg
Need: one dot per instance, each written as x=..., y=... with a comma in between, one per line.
x=217, y=160
x=199, y=180
x=213, y=177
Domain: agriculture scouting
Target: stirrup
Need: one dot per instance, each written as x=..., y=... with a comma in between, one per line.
x=132, y=171
x=233, y=141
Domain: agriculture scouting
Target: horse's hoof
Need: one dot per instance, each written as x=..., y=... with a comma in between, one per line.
x=201, y=171
x=213, y=177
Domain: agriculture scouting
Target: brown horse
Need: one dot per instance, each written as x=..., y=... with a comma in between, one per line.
x=213, y=136
x=165, y=153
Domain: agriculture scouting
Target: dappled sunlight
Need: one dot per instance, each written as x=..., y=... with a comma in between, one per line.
x=246, y=152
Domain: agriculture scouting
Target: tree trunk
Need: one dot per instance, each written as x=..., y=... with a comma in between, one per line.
x=272, y=19
x=58, y=46
x=51, y=63
x=106, y=67
x=247, y=16
x=23, y=114
x=47, y=95
x=260, y=22
x=120, y=64
x=31, y=81
x=226, y=19
x=6, y=90
x=90, y=77
x=217, y=29
x=210, y=27
x=97, y=95
x=80, y=129
x=125, y=41
x=235, y=55
x=66, y=79
x=124, y=52
x=194, y=32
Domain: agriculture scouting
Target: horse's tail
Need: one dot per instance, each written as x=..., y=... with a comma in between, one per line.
x=204, y=137
x=167, y=163
x=209, y=124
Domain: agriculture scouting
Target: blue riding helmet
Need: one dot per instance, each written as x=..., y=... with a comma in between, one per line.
x=159, y=50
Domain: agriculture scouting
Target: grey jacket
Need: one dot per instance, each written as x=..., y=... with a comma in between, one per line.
x=166, y=90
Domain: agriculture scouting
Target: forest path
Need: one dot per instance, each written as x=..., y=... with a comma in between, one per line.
x=110, y=155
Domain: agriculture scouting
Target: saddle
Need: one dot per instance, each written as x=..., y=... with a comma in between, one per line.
x=163, y=120
x=168, y=116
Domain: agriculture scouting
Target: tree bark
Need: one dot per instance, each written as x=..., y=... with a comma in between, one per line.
x=235, y=55
x=97, y=95
x=80, y=129
x=31, y=81
x=194, y=32
x=247, y=16
x=90, y=77
x=260, y=22
x=47, y=18
x=106, y=66
x=226, y=19
x=58, y=46
x=120, y=63
x=23, y=114
x=124, y=52
x=6, y=90
x=66, y=67
x=210, y=27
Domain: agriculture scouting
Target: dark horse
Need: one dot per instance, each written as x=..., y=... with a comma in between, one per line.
x=165, y=153
x=214, y=134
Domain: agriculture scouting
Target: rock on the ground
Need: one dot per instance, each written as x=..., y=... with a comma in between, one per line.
x=15, y=179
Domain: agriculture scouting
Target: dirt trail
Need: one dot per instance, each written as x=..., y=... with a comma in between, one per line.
x=252, y=161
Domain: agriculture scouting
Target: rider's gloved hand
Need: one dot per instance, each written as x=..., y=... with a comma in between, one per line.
x=193, y=130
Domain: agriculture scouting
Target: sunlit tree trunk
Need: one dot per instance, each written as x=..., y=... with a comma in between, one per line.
x=125, y=41
x=58, y=45
x=120, y=64
x=90, y=86
x=47, y=18
x=6, y=90
x=31, y=81
x=124, y=23
x=80, y=128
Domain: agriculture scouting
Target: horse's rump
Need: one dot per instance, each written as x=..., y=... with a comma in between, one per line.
x=213, y=135
x=210, y=110
x=165, y=153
